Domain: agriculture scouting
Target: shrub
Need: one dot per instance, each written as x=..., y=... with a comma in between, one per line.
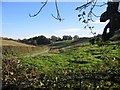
x=92, y=41
x=17, y=75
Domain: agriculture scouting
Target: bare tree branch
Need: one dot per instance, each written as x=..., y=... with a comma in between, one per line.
x=44, y=4
x=83, y=6
x=58, y=13
x=101, y=4
x=87, y=15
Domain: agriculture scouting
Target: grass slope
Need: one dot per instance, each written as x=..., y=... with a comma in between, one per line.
x=13, y=43
x=83, y=66
x=13, y=48
x=75, y=57
x=69, y=43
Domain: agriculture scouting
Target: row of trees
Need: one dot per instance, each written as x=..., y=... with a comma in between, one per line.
x=42, y=40
x=39, y=40
x=65, y=37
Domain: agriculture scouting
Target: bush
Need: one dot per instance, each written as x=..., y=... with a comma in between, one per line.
x=92, y=41
x=24, y=76
x=17, y=76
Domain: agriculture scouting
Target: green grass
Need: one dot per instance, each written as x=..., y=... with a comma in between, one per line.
x=82, y=56
x=85, y=66
x=61, y=44
x=67, y=43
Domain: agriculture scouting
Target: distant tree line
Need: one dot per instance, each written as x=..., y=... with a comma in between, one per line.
x=6, y=38
x=38, y=40
x=42, y=40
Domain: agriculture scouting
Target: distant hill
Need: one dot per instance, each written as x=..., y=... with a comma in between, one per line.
x=12, y=43
x=14, y=48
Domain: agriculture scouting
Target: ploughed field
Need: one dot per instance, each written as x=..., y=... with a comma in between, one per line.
x=66, y=65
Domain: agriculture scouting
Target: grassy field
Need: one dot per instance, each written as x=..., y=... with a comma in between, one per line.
x=13, y=48
x=68, y=65
x=79, y=56
x=13, y=43
x=67, y=43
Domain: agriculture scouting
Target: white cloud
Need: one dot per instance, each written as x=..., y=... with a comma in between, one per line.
x=58, y=33
x=67, y=31
x=35, y=35
x=71, y=30
x=25, y=37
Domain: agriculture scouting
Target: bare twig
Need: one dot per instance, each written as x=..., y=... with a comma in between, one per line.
x=44, y=4
x=83, y=6
x=58, y=13
x=101, y=4
x=87, y=15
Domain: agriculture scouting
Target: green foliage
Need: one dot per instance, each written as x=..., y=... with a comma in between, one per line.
x=92, y=41
x=97, y=41
x=54, y=38
x=79, y=66
x=17, y=76
x=38, y=40
x=66, y=37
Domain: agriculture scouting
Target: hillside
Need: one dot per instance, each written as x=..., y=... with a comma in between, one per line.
x=63, y=64
x=13, y=43
x=14, y=48
x=67, y=65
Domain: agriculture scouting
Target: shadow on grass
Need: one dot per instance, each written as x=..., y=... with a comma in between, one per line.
x=78, y=61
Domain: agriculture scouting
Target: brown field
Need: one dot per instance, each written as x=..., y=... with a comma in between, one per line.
x=13, y=43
